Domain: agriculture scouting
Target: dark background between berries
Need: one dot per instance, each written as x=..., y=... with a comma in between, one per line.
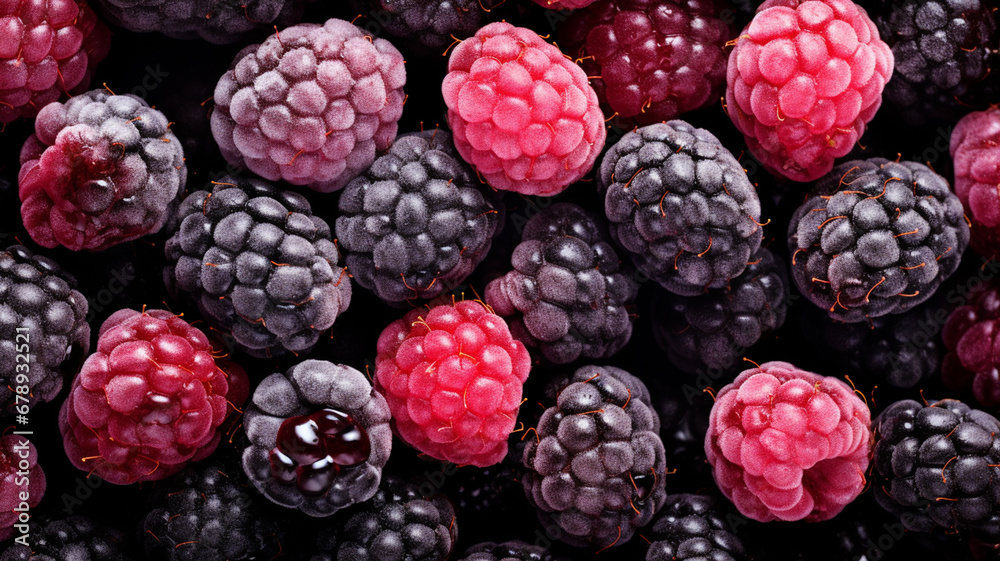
x=178, y=77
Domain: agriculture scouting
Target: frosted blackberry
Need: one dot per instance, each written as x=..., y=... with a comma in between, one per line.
x=319, y=437
x=417, y=222
x=259, y=264
x=567, y=296
x=681, y=206
x=215, y=21
x=714, y=330
x=939, y=466
x=945, y=52
x=876, y=237
x=428, y=25
x=398, y=524
x=207, y=513
x=507, y=551
x=597, y=468
x=41, y=310
x=692, y=527
x=74, y=538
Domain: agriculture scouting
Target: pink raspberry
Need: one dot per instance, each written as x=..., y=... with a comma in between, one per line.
x=786, y=444
x=804, y=79
x=563, y=4
x=18, y=455
x=149, y=401
x=972, y=337
x=975, y=150
x=47, y=48
x=311, y=105
x=522, y=113
x=453, y=378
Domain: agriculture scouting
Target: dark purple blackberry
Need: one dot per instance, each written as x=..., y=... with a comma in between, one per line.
x=398, y=524
x=893, y=350
x=714, y=330
x=945, y=55
x=215, y=21
x=681, y=205
x=692, y=527
x=417, y=222
x=319, y=437
x=597, y=468
x=507, y=551
x=42, y=315
x=428, y=25
x=567, y=296
x=75, y=538
x=876, y=237
x=207, y=513
x=938, y=465
x=259, y=264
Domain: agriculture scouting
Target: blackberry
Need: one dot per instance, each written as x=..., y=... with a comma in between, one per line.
x=206, y=513
x=429, y=26
x=567, y=296
x=319, y=437
x=398, y=524
x=215, y=21
x=938, y=467
x=597, y=468
x=507, y=551
x=37, y=294
x=893, y=350
x=681, y=205
x=944, y=52
x=417, y=222
x=876, y=237
x=692, y=527
x=259, y=264
x=714, y=330
x=74, y=538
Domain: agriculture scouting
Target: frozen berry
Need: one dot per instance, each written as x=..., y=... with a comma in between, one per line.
x=215, y=21
x=975, y=151
x=22, y=483
x=428, y=26
x=972, y=336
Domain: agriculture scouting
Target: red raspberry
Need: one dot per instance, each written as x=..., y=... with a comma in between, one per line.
x=804, y=79
x=786, y=444
x=47, y=48
x=972, y=337
x=453, y=378
x=522, y=113
x=17, y=454
x=975, y=150
x=656, y=59
x=147, y=402
x=563, y=4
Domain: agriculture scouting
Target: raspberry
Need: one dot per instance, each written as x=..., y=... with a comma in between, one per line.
x=943, y=51
x=507, y=551
x=149, y=401
x=566, y=295
x=786, y=444
x=41, y=312
x=18, y=482
x=215, y=21
x=692, y=527
x=74, y=538
x=310, y=105
x=563, y=4
x=100, y=170
x=714, y=330
x=47, y=49
x=397, y=524
x=319, y=437
x=655, y=59
x=975, y=151
x=804, y=79
x=417, y=222
x=875, y=238
x=970, y=335
x=428, y=26
x=259, y=264
x=206, y=513
x=598, y=466
x=453, y=378
x=523, y=115
x=938, y=466
x=681, y=205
